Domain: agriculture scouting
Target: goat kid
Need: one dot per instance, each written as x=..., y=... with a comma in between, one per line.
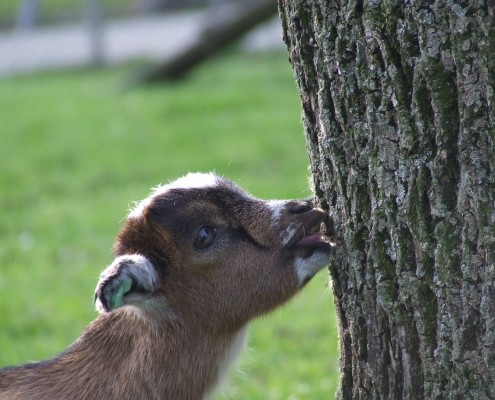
x=194, y=263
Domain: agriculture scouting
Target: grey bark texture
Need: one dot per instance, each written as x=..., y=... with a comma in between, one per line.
x=399, y=113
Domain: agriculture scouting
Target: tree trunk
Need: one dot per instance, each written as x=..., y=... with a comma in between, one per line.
x=399, y=113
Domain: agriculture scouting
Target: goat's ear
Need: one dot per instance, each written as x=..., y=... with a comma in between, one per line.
x=127, y=275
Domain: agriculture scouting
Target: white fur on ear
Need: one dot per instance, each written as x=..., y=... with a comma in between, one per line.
x=132, y=273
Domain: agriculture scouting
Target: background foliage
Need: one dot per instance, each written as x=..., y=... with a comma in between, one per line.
x=76, y=150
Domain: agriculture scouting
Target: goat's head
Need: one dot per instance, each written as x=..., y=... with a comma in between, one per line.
x=201, y=248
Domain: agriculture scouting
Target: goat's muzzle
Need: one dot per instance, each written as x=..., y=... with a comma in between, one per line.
x=307, y=230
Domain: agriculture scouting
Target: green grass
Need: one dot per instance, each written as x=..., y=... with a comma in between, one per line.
x=58, y=9
x=76, y=150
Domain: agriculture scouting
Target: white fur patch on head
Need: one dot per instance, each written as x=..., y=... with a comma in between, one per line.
x=195, y=180
x=307, y=267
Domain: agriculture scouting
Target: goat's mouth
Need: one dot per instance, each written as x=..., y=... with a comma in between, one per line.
x=310, y=234
x=313, y=237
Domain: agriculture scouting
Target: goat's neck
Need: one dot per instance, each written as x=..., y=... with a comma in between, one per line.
x=151, y=359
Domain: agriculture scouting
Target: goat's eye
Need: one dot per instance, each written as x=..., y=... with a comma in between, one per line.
x=206, y=236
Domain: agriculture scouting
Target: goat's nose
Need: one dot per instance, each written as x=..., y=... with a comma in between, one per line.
x=299, y=207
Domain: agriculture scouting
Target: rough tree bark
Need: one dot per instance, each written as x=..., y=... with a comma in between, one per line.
x=399, y=112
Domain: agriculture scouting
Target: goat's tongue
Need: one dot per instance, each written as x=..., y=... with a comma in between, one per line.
x=311, y=238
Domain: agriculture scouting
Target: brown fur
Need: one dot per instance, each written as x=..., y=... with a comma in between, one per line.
x=174, y=339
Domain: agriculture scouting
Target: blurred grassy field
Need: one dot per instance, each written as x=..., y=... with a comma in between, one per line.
x=63, y=10
x=76, y=150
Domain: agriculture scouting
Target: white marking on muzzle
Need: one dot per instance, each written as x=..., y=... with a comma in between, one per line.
x=307, y=267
